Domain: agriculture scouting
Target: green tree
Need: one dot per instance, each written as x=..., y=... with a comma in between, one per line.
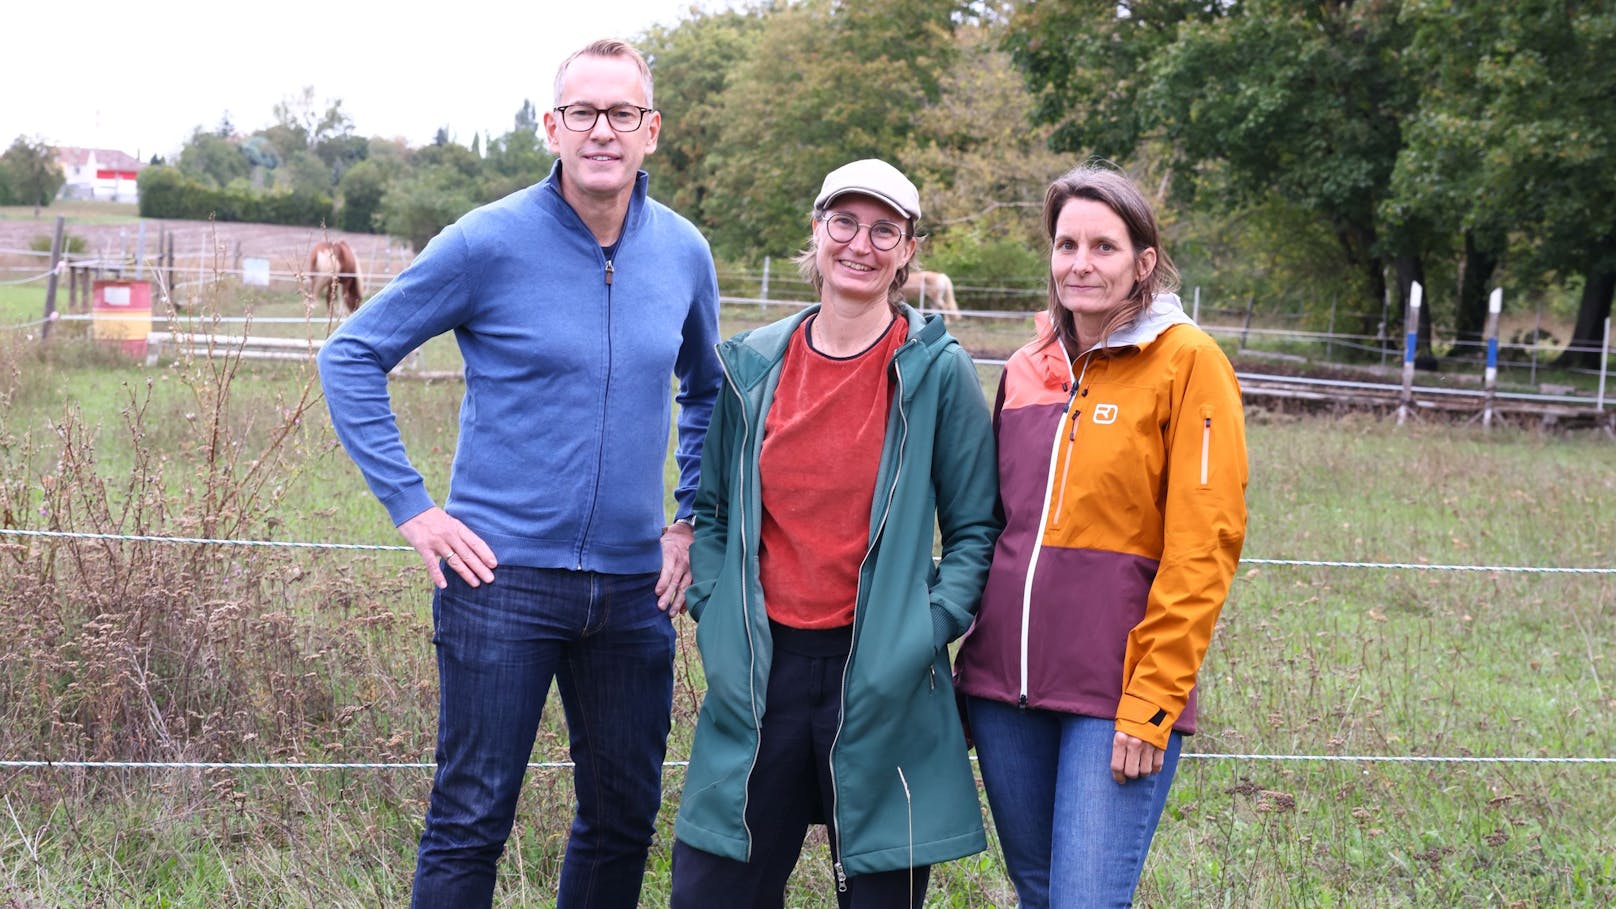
x=982, y=216
x=1512, y=147
x=1087, y=62
x=1304, y=102
x=303, y=171
x=1256, y=106
x=514, y=160
x=30, y=173
x=213, y=161
x=527, y=118
x=427, y=199
x=694, y=63
x=303, y=125
x=827, y=83
x=359, y=197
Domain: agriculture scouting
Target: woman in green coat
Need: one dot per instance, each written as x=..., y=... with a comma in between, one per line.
x=847, y=438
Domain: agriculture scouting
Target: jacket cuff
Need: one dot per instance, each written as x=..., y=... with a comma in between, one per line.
x=1145, y=721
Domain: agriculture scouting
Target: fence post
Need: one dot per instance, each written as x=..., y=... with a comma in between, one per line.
x=1329, y=339
x=1245, y=331
x=50, y=283
x=1495, y=305
x=168, y=263
x=1537, y=338
x=1411, y=333
x=140, y=250
x=1604, y=366
x=763, y=292
x=1195, y=315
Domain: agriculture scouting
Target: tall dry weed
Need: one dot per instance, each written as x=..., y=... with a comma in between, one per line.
x=120, y=644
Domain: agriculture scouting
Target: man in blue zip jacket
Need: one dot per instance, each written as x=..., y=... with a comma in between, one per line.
x=574, y=303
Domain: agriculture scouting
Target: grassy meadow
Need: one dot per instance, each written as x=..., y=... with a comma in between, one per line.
x=152, y=651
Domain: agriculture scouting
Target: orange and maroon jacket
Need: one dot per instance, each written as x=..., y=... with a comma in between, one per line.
x=1123, y=489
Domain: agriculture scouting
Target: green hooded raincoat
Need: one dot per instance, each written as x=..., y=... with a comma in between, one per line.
x=904, y=793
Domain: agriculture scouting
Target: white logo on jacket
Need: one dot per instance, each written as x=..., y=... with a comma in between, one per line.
x=1105, y=413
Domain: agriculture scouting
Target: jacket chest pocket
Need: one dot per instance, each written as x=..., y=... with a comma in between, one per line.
x=1109, y=448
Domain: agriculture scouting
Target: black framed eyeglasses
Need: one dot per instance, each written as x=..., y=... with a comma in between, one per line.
x=623, y=118
x=843, y=227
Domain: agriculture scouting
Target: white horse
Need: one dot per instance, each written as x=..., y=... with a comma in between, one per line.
x=935, y=287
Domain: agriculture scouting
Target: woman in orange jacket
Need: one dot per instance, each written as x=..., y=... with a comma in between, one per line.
x=1122, y=474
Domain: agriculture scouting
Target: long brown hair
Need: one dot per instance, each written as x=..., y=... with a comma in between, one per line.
x=1115, y=191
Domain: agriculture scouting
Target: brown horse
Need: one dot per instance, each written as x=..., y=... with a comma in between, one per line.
x=933, y=286
x=332, y=264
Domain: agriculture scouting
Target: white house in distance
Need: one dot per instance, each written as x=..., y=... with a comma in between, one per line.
x=98, y=173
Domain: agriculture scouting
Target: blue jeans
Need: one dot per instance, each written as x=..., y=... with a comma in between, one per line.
x=610, y=651
x=1072, y=836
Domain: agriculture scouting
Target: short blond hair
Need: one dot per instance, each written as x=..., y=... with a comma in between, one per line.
x=608, y=47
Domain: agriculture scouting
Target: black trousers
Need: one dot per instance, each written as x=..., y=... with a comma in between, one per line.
x=790, y=790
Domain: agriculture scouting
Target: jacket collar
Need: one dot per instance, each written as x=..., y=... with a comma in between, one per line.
x=1165, y=311
x=753, y=356
x=550, y=193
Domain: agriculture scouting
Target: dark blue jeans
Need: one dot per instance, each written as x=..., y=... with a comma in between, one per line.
x=610, y=651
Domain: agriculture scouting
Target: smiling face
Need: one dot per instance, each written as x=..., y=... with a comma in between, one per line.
x=855, y=270
x=1093, y=264
x=598, y=167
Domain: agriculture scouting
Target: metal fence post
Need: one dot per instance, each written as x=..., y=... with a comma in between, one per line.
x=1495, y=305
x=1604, y=366
x=763, y=292
x=1412, y=332
x=50, y=283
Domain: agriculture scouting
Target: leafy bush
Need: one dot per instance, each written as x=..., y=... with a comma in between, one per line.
x=166, y=193
x=71, y=243
x=994, y=274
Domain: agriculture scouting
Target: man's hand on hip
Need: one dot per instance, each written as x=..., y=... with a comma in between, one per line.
x=435, y=534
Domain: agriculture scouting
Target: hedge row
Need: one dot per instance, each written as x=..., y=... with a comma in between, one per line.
x=166, y=193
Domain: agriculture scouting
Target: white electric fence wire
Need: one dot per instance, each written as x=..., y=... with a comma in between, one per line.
x=566, y=765
x=554, y=765
x=28, y=280
x=1304, y=563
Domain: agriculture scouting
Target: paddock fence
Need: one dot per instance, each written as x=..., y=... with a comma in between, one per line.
x=46, y=763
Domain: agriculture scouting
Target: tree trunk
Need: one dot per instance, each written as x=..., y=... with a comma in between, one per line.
x=1476, y=272
x=1375, y=273
x=1357, y=245
x=1598, y=286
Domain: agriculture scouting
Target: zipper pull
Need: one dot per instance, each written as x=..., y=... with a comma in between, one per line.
x=933, y=672
x=608, y=272
x=841, y=878
x=1022, y=702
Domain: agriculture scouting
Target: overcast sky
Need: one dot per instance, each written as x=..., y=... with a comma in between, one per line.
x=140, y=77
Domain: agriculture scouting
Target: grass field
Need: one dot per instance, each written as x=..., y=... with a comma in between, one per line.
x=1322, y=687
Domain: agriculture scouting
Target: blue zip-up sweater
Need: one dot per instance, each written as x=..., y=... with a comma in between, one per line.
x=569, y=361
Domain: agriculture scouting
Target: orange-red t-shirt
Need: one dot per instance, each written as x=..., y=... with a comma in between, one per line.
x=822, y=445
